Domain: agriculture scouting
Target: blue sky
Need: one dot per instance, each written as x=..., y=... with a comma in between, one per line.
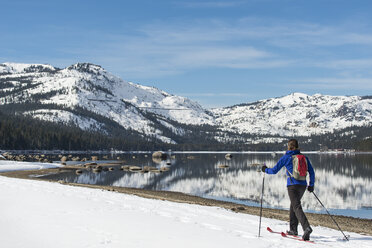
x=218, y=53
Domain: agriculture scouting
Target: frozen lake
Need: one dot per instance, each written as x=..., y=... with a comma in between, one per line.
x=343, y=181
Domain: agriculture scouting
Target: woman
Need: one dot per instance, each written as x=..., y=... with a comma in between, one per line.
x=295, y=164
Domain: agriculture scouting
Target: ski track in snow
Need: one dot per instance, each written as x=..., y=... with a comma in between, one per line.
x=45, y=214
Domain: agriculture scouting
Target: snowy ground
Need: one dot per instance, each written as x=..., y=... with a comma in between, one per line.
x=44, y=214
x=6, y=165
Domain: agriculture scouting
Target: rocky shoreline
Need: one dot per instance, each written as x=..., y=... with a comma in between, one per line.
x=348, y=224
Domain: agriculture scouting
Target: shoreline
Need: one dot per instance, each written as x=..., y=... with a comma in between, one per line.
x=349, y=224
x=64, y=152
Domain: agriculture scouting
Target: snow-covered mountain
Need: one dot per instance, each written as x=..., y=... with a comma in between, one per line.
x=92, y=88
x=296, y=114
x=84, y=93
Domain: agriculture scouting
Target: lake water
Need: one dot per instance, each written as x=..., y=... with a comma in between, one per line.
x=343, y=181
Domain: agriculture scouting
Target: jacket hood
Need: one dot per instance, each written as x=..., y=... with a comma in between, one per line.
x=294, y=152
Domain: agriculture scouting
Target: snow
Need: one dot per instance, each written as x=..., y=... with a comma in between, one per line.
x=45, y=214
x=91, y=87
x=6, y=165
x=296, y=114
x=20, y=67
x=58, y=116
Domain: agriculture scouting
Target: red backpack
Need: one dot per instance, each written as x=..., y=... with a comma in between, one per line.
x=299, y=167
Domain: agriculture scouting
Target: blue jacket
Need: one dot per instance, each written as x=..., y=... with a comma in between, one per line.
x=286, y=161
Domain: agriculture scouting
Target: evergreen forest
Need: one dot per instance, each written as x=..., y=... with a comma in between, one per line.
x=18, y=132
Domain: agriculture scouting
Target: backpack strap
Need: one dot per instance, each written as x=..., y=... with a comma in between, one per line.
x=289, y=175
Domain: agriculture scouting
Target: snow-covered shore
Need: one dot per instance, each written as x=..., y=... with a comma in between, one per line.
x=6, y=165
x=44, y=214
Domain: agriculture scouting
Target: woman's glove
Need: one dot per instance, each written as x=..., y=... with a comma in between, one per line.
x=310, y=188
x=264, y=168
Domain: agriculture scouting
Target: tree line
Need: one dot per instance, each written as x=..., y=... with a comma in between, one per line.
x=19, y=132
x=22, y=132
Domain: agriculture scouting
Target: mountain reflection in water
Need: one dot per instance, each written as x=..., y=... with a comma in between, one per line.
x=343, y=181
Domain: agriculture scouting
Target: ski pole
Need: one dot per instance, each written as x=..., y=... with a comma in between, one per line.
x=263, y=184
x=330, y=216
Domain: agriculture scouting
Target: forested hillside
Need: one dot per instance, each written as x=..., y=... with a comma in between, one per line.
x=21, y=133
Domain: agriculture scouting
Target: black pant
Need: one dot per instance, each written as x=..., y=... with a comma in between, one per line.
x=296, y=213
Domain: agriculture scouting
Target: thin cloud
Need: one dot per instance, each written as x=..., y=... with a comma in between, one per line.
x=336, y=83
x=211, y=40
x=162, y=49
x=346, y=64
x=170, y=49
x=210, y=4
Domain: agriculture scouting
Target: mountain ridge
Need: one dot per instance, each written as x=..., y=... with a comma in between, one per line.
x=298, y=114
x=81, y=93
x=91, y=87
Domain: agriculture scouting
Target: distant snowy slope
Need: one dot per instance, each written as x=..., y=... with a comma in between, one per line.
x=11, y=68
x=88, y=96
x=92, y=88
x=296, y=114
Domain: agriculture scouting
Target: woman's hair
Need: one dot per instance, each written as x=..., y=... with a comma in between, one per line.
x=292, y=144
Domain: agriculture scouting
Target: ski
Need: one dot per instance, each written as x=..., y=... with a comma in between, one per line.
x=270, y=230
x=296, y=238
x=290, y=236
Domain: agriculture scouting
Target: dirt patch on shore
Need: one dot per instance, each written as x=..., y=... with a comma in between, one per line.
x=350, y=224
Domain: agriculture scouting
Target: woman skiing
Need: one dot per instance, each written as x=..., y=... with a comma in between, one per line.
x=297, y=166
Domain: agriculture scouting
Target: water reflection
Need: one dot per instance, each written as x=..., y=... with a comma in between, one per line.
x=342, y=182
